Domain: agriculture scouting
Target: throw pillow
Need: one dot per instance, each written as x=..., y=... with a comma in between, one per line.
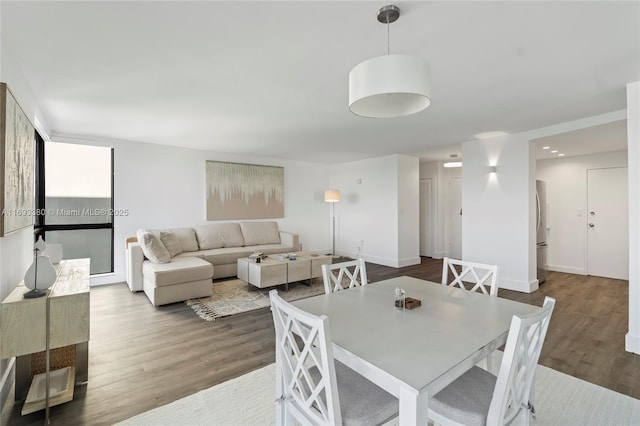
x=152, y=247
x=187, y=238
x=171, y=243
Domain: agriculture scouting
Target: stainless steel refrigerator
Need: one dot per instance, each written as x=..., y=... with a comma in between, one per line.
x=541, y=230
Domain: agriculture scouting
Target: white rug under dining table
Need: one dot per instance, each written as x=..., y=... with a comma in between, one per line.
x=247, y=400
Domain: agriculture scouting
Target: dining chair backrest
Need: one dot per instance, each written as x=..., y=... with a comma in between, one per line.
x=306, y=383
x=333, y=275
x=513, y=393
x=481, y=275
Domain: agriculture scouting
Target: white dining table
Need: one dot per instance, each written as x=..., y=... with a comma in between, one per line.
x=413, y=354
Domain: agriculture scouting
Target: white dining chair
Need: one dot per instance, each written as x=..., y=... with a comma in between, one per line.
x=480, y=398
x=333, y=275
x=312, y=388
x=479, y=275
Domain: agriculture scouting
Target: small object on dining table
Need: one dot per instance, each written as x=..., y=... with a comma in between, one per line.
x=411, y=303
x=399, y=298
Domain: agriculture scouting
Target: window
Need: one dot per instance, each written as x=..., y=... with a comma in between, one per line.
x=74, y=194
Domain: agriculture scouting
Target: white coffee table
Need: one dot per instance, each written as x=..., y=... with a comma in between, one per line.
x=277, y=270
x=317, y=260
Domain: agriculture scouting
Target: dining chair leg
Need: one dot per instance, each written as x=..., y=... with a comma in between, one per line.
x=281, y=411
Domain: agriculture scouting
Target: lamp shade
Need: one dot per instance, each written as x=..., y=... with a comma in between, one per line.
x=390, y=86
x=332, y=195
x=41, y=274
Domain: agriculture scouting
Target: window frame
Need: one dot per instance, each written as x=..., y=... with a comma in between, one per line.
x=41, y=227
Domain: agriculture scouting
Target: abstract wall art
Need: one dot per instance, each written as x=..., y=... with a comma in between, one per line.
x=16, y=165
x=244, y=191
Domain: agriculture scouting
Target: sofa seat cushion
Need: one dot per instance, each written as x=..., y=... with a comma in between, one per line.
x=255, y=233
x=224, y=256
x=272, y=248
x=179, y=270
x=197, y=254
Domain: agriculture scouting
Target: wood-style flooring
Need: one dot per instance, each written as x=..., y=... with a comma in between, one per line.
x=141, y=357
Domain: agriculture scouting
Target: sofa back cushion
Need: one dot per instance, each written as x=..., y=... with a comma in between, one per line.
x=258, y=233
x=218, y=235
x=152, y=247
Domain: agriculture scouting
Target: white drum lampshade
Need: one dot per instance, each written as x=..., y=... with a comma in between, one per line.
x=390, y=86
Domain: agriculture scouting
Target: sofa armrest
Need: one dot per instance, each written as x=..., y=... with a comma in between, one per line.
x=290, y=239
x=133, y=260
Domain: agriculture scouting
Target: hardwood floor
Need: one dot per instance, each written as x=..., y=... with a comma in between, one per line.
x=141, y=357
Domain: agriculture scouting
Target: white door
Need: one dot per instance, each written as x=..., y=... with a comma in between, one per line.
x=426, y=218
x=608, y=223
x=454, y=218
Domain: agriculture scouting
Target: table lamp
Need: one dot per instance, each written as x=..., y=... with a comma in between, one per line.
x=41, y=274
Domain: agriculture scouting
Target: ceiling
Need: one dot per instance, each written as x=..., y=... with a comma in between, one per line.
x=271, y=78
x=590, y=140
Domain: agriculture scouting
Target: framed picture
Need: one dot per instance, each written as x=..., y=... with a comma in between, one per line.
x=16, y=165
x=244, y=191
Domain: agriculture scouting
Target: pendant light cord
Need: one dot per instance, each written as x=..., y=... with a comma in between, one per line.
x=388, y=35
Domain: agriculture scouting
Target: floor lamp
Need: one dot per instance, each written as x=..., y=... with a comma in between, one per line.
x=332, y=196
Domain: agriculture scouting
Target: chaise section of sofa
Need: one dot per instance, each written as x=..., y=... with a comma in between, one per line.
x=197, y=255
x=181, y=279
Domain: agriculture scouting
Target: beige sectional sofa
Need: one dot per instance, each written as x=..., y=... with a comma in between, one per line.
x=179, y=264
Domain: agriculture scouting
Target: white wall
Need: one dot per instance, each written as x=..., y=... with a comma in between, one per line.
x=566, y=180
x=498, y=208
x=408, y=211
x=632, y=343
x=16, y=249
x=376, y=194
x=164, y=187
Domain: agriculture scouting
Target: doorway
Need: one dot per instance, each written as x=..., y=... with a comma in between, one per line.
x=454, y=218
x=608, y=223
x=426, y=217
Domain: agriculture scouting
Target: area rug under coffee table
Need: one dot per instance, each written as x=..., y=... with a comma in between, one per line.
x=234, y=296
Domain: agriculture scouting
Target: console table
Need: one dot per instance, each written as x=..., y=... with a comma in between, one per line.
x=23, y=324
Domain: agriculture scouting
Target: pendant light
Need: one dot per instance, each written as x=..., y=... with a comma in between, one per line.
x=392, y=85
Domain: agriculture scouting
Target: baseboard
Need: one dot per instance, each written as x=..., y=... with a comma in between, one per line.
x=409, y=262
x=393, y=263
x=521, y=286
x=104, y=279
x=567, y=269
x=632, y=343
x=7, y=381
